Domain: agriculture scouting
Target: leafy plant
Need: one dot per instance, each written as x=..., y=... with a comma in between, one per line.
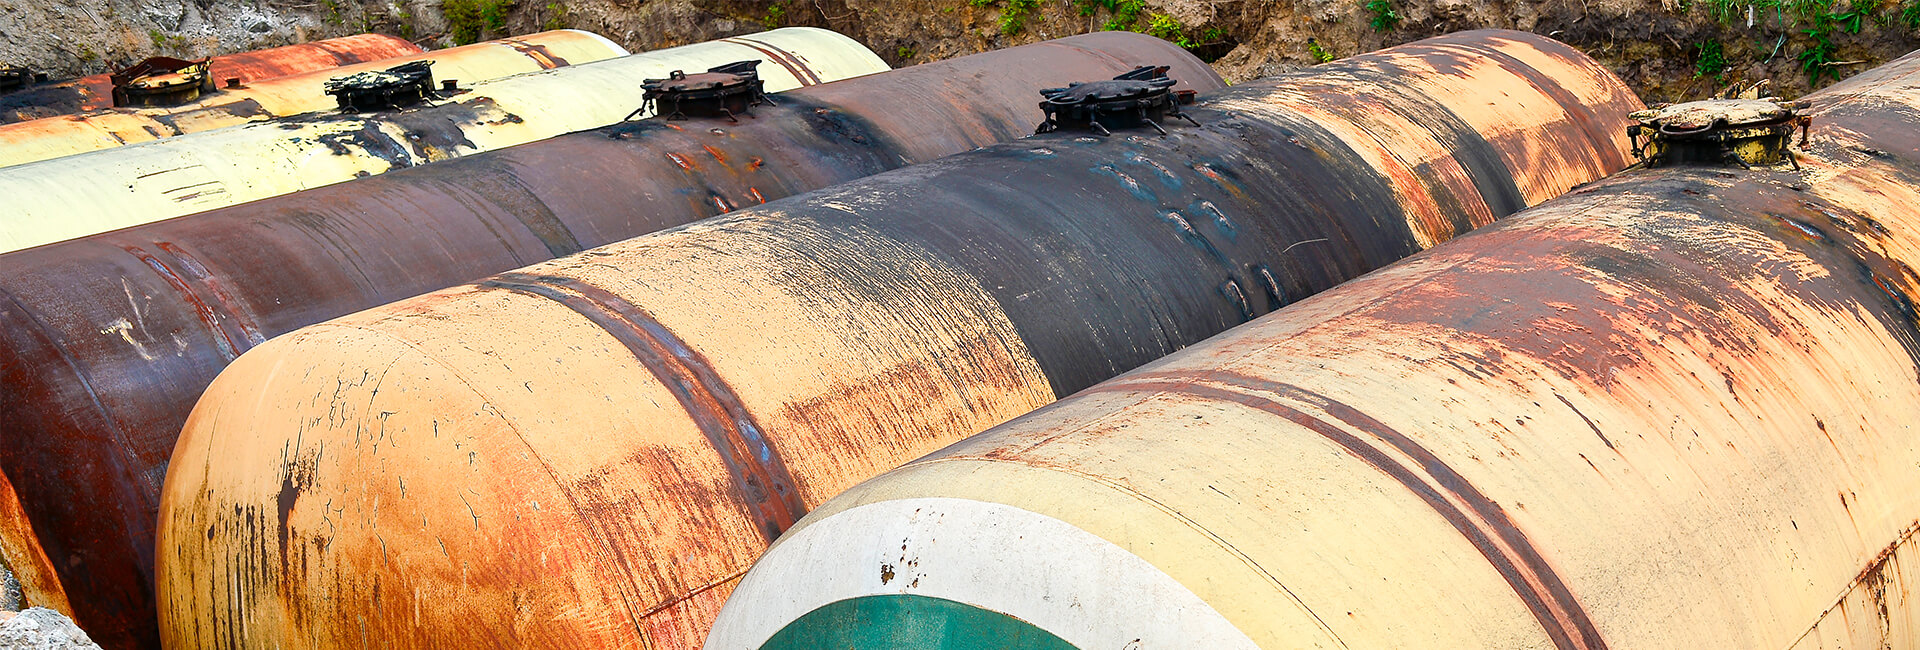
x=1910, y=15
x=1319, y=54
x=470, y=20
x=776, y=16
x=1167, y=27
x=1384, y=17
x=1123, y=15
x=906, y=53
x=1013, y=18
x=1711, y=61
x=403, y=24
x=1817, y=60
x=556, y=16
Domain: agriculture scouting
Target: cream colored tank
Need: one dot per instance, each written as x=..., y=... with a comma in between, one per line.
x=256, y=101
x=69, y=197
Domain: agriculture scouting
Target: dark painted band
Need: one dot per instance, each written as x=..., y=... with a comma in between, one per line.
x=765, y=485
x=800, y=72
x=1560, y=615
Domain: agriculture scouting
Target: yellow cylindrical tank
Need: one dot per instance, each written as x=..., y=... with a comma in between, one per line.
x=588, y=452
x=54, y=200
x=1677, y=408
x=255, y=101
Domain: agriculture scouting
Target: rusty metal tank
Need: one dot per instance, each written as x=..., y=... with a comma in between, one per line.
x=80, y=195
x=589, y=451
x=226, y=105
x=1673, y=409
x=96, y=91
x=143, y=318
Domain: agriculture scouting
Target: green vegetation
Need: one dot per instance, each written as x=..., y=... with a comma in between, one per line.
x=1319, y=54
x=1013, y=18
x=162, y=40
x=1122, y=14
x=1384, y=17
x=556, y=16
x=403, y=24
x=776, y=16
x=332, y=9
x=471, y=20
x=906, y=53
x=1817, y=60
x=1711, y=61
x=1169, y=28
x=1814, y=22
x=1910, y=15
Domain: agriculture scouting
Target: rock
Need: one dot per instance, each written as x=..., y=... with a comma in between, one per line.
x=40, y=628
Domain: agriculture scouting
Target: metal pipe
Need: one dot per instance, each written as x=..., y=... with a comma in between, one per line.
x=189, y=294
x=96, y=91
x=589, y=451
x=1672, y=409
x=95, y=192
x=269, y=99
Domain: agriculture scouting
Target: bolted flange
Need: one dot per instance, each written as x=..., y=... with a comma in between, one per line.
x=1749, y=132
x=1142, y=97
x=723, y=91
x=161, y=81
x=396, y=87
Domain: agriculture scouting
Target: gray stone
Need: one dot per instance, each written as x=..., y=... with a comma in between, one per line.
x=40, y=628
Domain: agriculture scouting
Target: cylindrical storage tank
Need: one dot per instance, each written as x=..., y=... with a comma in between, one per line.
x=189, y=294
x=1674, y=409
x=95, y=192
x=589, y=451
x=108, y=128
x=96, y=91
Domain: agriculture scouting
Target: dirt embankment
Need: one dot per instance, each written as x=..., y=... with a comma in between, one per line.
x=1667, y=49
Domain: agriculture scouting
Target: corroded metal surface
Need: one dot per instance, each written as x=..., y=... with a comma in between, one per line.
x=119, y=332
x=95, y=192
x=590, y=451
x=96, y=91
x=1673, y=409
x=108, y=128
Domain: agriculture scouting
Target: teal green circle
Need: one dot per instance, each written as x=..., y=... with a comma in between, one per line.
x=890, y=621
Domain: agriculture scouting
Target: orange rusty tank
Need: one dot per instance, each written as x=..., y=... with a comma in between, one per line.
x=96, y=91
x=589, y=452
x=1673, y=409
